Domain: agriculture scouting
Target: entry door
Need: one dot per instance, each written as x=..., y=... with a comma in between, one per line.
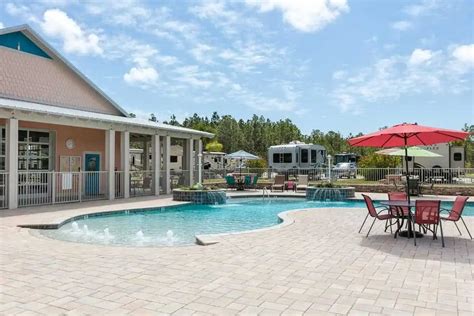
x=92, y=163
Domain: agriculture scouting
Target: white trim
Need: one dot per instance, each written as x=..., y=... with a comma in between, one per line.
x=12, y=162
x=110, y=162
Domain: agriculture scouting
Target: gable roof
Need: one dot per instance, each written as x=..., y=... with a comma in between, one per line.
x=51, y=52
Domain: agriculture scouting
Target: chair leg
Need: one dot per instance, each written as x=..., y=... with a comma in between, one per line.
x=391, y=231
x=441, y=230
x=413, y=231
x=460, y=234
x=370, y=228
x=363, y=222
x=466, y=227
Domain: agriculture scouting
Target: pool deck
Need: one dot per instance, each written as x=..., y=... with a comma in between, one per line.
x=318, y=265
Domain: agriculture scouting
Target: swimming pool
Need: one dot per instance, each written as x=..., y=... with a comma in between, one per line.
x=178, y=225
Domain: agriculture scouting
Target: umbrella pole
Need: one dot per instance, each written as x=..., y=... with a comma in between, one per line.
x=407, y=169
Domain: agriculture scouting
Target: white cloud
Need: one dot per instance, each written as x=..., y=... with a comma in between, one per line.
x=402, y=25
x=464, y=54
x=339, y=74
x=58, y=24
x=21, y=11
x=143, y=76
x=304, y=15
x=422, y=72
x=422, y=8
x=201, y=52
x=192, y=76
x=420, y=56
x=1, y=25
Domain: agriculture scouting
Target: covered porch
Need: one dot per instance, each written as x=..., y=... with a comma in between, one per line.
x=52, y=155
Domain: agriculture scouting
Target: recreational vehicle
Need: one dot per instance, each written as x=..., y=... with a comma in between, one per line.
x=451, y=157
x=296, y=155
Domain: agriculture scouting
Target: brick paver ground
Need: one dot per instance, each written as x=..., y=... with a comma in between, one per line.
x=318, y=265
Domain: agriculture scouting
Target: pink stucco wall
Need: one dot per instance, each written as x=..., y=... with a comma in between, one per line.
x=86, y=140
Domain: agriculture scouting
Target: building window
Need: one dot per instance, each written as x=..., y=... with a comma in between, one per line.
x=34, y=150
x=287, y=158
x=304, y=155
x=314, y=157
x=457, y=156
x=173, y=158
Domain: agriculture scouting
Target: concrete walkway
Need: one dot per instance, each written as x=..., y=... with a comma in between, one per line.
x=318, y=265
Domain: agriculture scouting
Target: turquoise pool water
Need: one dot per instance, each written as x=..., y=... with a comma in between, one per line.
x=178, y=225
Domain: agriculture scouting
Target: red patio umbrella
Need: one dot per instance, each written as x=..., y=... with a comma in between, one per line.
x=406, y=135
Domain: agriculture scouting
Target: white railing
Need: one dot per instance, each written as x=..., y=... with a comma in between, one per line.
x=3, y=190
x=119, y=184
x=141, y=182
x=179, y=178
x=50, y=187
x=455, y=176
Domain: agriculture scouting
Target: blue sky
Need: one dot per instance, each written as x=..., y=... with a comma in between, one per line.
x=350, y=66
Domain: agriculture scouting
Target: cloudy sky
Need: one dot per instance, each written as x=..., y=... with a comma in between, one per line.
x=346, y=65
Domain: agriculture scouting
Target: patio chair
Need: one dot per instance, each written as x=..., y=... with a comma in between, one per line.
x=414, y=187
x=254, y=182
x=398, y=196
x=302, y=182
x=372, y=211
x=279, y=183
x=455, y=214
x=247, y=182
x=427, y=215
x=230, y=181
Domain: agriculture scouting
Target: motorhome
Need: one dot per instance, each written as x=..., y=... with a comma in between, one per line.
x=296, y=155
x=451, y=157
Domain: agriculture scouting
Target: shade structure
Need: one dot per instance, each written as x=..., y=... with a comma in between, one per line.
x=411, y=152
x=407, y=134
x=242, y=154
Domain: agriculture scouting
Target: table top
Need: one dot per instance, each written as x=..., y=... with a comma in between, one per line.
x=398, y=203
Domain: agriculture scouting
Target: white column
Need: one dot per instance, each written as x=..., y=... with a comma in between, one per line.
x=12, y=162
x=199, y=158
x=189, y=160
x=156, y=147
x=110, y=161
x=125, y=161
x=167, y=163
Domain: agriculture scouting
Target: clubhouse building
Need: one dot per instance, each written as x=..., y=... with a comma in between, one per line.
x=64, y=140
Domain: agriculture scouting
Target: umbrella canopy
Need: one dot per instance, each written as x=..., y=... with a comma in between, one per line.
x=241, y=154
x=405, y=135
x=408, y=135
x=411, y=152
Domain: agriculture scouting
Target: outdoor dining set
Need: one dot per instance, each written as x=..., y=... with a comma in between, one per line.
x=399, y=211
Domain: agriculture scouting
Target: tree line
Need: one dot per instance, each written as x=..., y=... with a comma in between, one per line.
x=255, y=135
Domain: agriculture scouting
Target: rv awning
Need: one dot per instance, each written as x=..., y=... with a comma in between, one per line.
x=52, y=114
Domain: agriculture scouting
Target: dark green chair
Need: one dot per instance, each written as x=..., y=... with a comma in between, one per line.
x=247, y=182
x=230, y=181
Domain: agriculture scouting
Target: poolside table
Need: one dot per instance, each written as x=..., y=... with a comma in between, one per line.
x=399, y=205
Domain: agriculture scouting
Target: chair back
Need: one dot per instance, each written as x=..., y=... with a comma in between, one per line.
x=303, y=180
x=397, y=196
x=427, y=211
x=230, y=180
x=255, y=179
x=458, y=207
x=370, y=205
x=247, y=180
x=279, y=179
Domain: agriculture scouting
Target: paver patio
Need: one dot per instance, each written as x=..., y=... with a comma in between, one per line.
x=318, y=265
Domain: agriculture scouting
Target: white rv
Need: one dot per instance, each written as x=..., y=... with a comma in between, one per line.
x=451, y=157
x=296, y=155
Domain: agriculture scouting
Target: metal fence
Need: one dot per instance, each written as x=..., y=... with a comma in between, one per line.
x=459, y=176
x=141, y=182
x=3, y=190
x=49, y=187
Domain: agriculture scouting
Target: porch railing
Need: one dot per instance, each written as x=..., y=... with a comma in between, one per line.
x=3, y=190
x=141, y=182
x=119, y=184
x=49, y=187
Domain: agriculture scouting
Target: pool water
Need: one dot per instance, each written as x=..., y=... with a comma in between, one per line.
x=179, y=225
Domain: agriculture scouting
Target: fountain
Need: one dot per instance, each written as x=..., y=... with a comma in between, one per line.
x=329, y=193
x=75, y=227
x=107, y=235
x=170, y=237
x=85, y=229
x=203, y=196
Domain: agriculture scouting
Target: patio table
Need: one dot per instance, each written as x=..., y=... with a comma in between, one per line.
x=399, y=205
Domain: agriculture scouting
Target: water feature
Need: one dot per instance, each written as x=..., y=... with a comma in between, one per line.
x=216, y=197
x=329, y=194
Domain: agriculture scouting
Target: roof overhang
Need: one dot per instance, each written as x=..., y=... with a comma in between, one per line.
x=36, y=112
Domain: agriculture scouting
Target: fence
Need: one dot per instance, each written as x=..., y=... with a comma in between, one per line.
x=49, y=187
x=459, y=176
x=141, y=182
x=3, y=190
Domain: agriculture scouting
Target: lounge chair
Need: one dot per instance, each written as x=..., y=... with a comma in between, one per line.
x=455, y=214
x=247, y=182
x=302, y=182
x=279, y=183
x=427, y=214
x=230, y=181
x=254, y=182
x=372, y=211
